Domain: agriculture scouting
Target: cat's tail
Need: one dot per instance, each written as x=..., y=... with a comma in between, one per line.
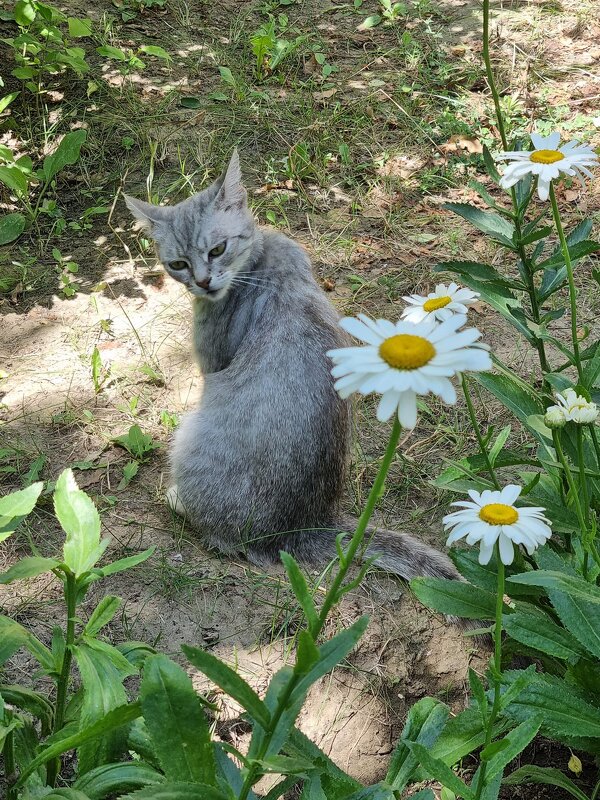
x=397, y=553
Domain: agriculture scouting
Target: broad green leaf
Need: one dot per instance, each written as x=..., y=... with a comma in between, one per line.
x=7, y=100
x=28, y=567
x=490, y=165
x=109, y=779
x=13, y=636
x=33, y=702
x=424, y=723
x=102, y=614
x=139, y=740
x=65, y=793
x=111, y=52
x=543, y=634
x=544, y=775
x=514, y=394
x=576, y=251
x=66, y=153
x=476, y=464
x=19, y=504
x=102, y=693
x=580, y=617
x=517, y=740
x=336, y=783
x=81, y=522
x=176, y=722
x=462, y=735
x=377, y=792
x=136, y=652
x=454, y=597
x=486, y=575
x=487, y=222
x=177, y=791
x=227, y=76
x=369, y=22
x=480, y=272
x=79, y=27
x=25, y=12
x=300, y=589
x=115, y=719
x=228, y=680
x=551, y=579
x=307, y=653
x=26, y=739
x=11, y=227
x=13, y=179
x=158, y=52
x=561, y=707
x=440, y=771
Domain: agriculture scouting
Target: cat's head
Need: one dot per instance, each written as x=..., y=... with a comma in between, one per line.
x=205, y=241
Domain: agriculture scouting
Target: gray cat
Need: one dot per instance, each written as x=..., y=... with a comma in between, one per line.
x=260, y=465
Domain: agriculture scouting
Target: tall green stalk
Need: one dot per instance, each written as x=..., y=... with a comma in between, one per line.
x=571, y=280
x=497, y=668
x=65, y=672
x=332, y=596
x=8, y=752
x=475, y=424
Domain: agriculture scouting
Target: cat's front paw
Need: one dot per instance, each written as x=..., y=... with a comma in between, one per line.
x=174, y=502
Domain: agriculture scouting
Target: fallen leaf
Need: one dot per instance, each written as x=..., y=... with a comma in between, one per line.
x=16, y=293
x=461, y=142
x=325, y=95
x=328, y=285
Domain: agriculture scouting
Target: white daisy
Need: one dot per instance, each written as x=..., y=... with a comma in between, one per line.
x=493, y=517
x=405, y=359
x=548, y=161
x=575, y=408
x=440, y=304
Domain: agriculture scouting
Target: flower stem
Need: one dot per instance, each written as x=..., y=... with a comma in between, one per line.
x=475, y=424
x=332, y=596
x=592, y=428
x=572, y=294
x=572, y=488
x=496, y=669
x=584, y=494
x=65, y=672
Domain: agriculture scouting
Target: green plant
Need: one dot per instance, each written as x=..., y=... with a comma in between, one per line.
x=390, y=13
x=129, y=9
x=269, y=48
x=35, y=725
x=29, y=186
x=66, y=268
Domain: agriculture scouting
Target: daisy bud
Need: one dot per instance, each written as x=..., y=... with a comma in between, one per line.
x=554, y=417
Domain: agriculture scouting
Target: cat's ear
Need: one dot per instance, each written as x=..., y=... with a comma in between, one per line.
x=231, y=191
x=146, y=213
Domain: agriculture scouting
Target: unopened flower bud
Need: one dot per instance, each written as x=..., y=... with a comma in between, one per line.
x=554, y=417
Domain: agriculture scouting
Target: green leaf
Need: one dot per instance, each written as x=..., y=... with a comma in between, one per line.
x=177, y=791
x=65, y=154
x=440, y=771
x=563, y=711
x=79, y=27
x=157, y=52
x=176, y=722
x=514, y=394
x=11, y=227
x=307, y=653
x=14, y=179
x=102, y=614
x=33, y=702
x=543, y=634
x=28, y=567
x=580, y=617
x=102, y=693
x=230, y=682
x=300, y=589
x=424, y=723
x=15, y=506
x=517, y=740
x=65, y=793
x=227, y=76
x=113, y=720
x=490, y=165
x=463, y=734
x=25, y=12
x=576, y=251
x=454, y=597
x=136, y=652
x=109, y=779
x=551, y=579
x=369, y=22
x=544, y=775
x=332, y=776
x=111, y=52
x=190, y=102
x=81, y=522
x=487, y=222
x=13, y=636
x=481, y=272
x=124, y=563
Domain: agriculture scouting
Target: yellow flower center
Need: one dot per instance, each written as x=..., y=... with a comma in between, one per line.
x=546, y=156
x=406, y=351
x=436, y=302
x=498, y=514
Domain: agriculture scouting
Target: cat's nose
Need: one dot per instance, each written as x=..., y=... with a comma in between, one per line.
x=204, y=283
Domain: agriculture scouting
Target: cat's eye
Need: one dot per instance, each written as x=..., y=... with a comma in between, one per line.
x=218, y=250
x=178, y=265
